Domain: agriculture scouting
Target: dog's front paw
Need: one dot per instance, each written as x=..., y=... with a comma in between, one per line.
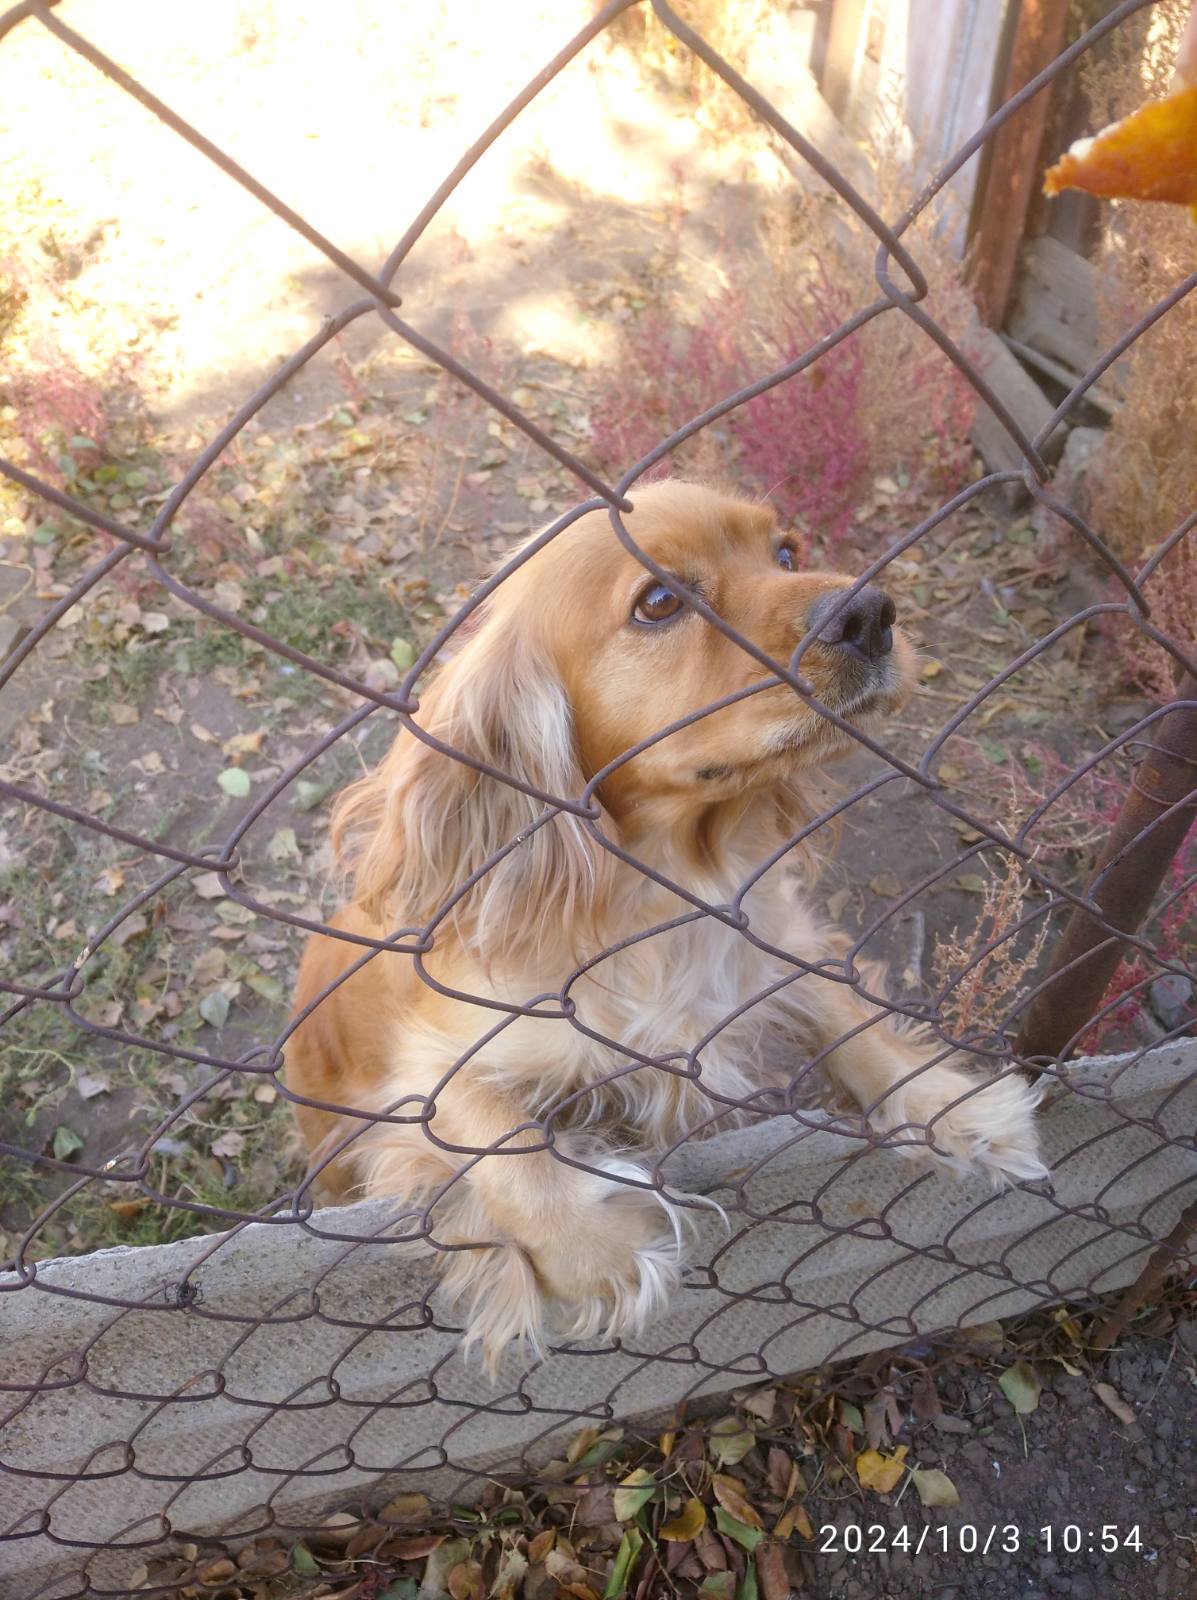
x=968, y=1122
x=617, y=1269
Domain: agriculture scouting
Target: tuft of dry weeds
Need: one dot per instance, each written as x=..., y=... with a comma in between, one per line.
x=979, y=994
x=1143, y=487
x=731, y=27
x=884, y=401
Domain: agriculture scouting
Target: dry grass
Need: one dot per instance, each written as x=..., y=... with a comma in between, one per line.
x=885, y=402
x=729, y=26
x=1145, y=485
x=980, y=996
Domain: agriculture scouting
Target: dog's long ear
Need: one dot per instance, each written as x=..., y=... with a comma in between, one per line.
x=417, y=828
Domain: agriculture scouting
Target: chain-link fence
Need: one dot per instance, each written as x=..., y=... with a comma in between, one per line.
x=566, y=1062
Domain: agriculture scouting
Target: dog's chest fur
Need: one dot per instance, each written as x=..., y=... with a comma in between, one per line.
x=672, y=1034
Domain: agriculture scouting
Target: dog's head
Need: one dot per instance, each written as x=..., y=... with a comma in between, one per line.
x=582, y=655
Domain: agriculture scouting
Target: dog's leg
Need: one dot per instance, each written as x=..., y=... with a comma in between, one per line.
x=930, y=1107
x=522, y=1231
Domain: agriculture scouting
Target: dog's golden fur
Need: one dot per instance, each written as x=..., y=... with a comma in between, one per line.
x=553, y=685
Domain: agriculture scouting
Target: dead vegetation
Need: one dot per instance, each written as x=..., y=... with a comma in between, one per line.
x=1143, y=490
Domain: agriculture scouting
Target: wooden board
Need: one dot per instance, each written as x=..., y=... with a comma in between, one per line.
x=1056, y=308
x=1015, y=162
x=1022, y=397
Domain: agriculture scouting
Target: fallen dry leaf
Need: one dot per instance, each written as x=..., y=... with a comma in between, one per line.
x=244, y=744
x=880, y=1472
x=729, y=1441
x=415, y=1546
x=465, y=1581
x=730, y=1494
x=539, y=1547
x=771, y=1572
x=886, y=886
x=404, y=1507
x=778, y=1470
x=795, y=1520
x=688, y=1524
x=934, y=1487
x=1021, y=1387
x=1113, y=1401
x=761, y=1403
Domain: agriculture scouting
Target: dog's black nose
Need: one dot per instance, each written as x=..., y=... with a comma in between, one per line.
x=863, y=625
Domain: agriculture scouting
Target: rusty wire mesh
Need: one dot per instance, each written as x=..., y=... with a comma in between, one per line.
x=353, y=1447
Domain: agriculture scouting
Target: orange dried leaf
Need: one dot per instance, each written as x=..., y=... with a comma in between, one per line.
x=773, y=1579
x=730, y=1495
x=688, y=1524
x=795, y=1520
x=1150, y=155
x=539, y=1547
x=465, y=1581
x=879, y=1472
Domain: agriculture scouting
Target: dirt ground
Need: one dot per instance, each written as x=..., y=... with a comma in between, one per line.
x=1050, y=1484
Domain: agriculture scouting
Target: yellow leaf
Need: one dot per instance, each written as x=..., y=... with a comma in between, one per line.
x=931, y=669
x=729, y=1441
x=405, y=1507
x=244, y=744
x=794, y=1520
x=934, y=1487
x=1113, y=1401
x=581, y=1443
x=730, y=1495
x=636, y=1490
x=1021, y=1387
x=688, y=1524
x=879, y=1472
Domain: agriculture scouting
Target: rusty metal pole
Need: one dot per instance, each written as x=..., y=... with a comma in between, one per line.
x=1159, y=1264
x=1132, y=867
x=1138, y=853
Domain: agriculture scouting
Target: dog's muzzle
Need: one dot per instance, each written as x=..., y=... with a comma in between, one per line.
x=860, y=629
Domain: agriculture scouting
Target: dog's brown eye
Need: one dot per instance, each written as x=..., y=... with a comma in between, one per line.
x=656, y=604
x=787, y=557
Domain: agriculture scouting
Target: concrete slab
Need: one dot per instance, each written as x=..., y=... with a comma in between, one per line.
x=310, y=1361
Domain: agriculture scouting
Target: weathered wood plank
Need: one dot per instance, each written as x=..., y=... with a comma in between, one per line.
x=1019, y=393
x=1014, y=166
x=1051, y=368
x=1056, y=309
x=845, y=45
